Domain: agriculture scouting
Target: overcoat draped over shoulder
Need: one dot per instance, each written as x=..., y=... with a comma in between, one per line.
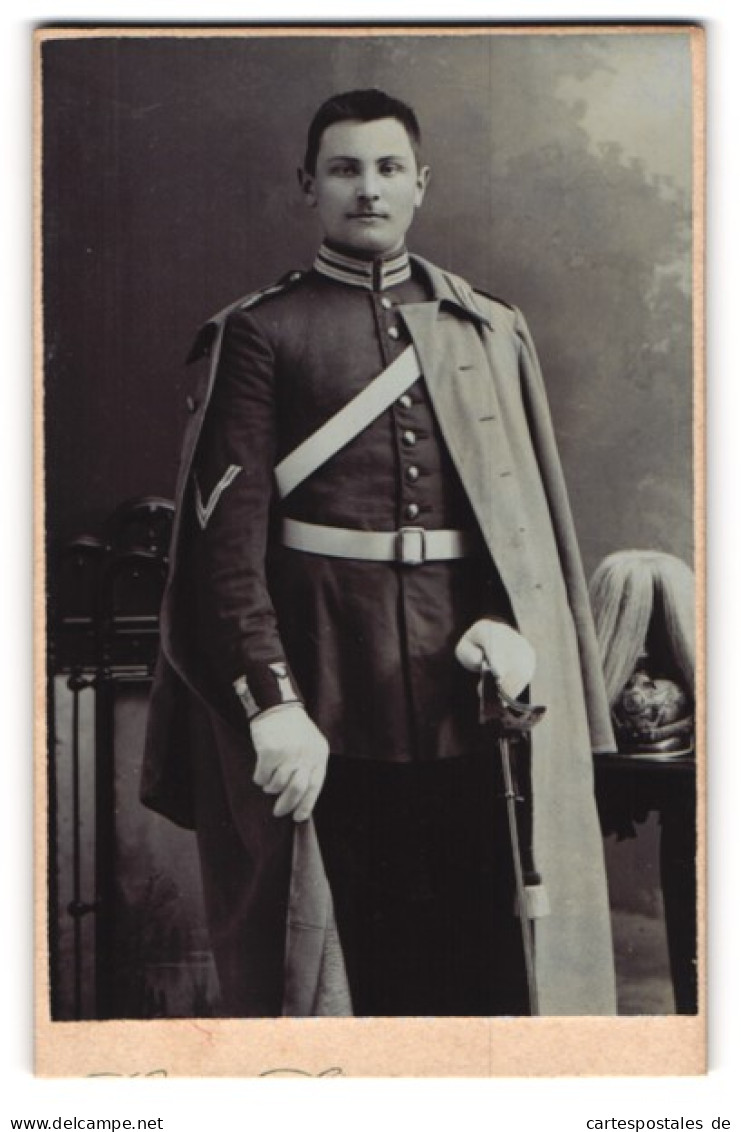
x=487, y=391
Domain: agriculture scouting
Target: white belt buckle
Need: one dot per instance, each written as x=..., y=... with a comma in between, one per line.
x=410, y=546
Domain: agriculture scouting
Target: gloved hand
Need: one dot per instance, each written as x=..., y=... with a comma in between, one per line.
x=291, y=759
x=509, y=655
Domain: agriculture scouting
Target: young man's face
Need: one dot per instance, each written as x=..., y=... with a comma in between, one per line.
x=366, y=186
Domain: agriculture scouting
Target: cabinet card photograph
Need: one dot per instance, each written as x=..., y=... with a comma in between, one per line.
x=369, y=471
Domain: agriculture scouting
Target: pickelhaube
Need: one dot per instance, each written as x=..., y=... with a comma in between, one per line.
x=654, y=716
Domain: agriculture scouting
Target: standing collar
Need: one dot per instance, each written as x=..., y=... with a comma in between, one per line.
x=372, y=274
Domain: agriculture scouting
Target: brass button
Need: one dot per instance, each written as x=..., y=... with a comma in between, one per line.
x=412, y=473
x=405, y=401
x=409, y=438
x=393, y=331
x=411, y=510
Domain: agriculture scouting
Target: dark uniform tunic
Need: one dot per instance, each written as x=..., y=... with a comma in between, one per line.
x=420, y=875
x=371, y=645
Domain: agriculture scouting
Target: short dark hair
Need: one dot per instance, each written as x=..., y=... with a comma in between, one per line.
x=359, y=106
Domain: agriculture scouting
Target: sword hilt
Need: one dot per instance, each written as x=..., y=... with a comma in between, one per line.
x=495, y=706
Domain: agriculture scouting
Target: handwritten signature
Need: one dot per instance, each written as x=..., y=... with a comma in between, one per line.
x=150, y=1073
x=332, y=1071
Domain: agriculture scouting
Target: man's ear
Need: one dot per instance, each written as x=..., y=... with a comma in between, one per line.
x=307, y=185
x=423, y=179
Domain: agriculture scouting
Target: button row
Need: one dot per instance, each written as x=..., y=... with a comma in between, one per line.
x=408, y=437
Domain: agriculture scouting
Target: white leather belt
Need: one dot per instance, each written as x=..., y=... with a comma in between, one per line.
x=409, y=545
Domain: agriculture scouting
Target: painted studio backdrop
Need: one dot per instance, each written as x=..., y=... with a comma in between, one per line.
x=561, y=182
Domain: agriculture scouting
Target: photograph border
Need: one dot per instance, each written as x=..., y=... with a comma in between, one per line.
x=478, y=1047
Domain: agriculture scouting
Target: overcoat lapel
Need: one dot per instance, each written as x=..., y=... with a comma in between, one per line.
x=468, y=389
x=460, y=387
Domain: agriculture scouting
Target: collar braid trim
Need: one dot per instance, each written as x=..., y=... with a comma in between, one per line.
x=372, y=274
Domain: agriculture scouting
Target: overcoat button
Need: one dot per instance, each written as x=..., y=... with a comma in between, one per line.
x=386, y=303
x=412, y=473
x=405, y=401
x=409, y=438
x=412, y=510
x=393, y=331
x=191, y=403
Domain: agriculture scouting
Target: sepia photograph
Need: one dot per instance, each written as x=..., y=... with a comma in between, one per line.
x=370, y=417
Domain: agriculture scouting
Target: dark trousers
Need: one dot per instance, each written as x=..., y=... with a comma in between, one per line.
x=420, y=866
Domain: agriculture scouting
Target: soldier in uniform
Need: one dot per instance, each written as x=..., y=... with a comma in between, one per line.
x=370, y=505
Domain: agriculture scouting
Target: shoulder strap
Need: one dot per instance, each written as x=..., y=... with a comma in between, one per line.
x=348, y=423
x=206, y=336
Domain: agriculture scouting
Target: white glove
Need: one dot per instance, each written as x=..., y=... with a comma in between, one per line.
x=291, y=759
x=509, y=655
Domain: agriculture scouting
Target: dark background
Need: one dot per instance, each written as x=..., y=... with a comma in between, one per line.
x=561, y=177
